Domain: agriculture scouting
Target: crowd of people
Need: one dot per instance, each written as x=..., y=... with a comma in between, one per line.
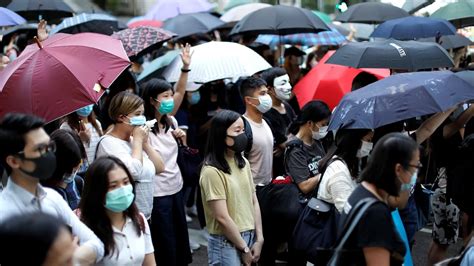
x=103, y=186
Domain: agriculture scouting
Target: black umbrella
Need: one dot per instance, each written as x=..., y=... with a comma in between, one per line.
x=393, y=54
x=450, y=41
x=98, y=23
x=185, y=25
x=26, y=31
x=50, y=10
x=280, y=20
x=371, y=13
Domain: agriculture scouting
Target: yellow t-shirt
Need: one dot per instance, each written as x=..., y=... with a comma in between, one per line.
x=236, y=189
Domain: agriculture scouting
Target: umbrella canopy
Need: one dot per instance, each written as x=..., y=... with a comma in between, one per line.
x=237, y=13
x=156, y=67
x=67, y=73
x=50, y=10
x=325, y=17
x=280, y=20
x=141, y=21
x=460, y=13
x=467, y=75
x=10, y=18
x=141, y=40
x=410, y=28
x=235, y=3
x=330, y=82
x=332, y=37
x=218, y=60
x=371, y=13
x=451, y=41
x=362, y=31
x=189, y=24
x=98, y=23
x=29, y=29
x=400, y=97
x=393, y=54
x=165, y=9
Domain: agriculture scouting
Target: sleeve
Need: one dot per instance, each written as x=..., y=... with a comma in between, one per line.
x=297, y=166
x=65, y=126
x=375, y=228
x=148, y=242
x=340, y=185
x=212, y=184
x=250, y=176
x=468, y=258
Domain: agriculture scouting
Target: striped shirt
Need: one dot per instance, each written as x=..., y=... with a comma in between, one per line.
x=90, y=147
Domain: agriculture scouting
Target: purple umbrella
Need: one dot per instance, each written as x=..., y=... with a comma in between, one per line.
x=10, y=18
x=165, y=9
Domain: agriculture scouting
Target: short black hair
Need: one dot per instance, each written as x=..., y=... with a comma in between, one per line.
x=13, y=128
x=312, y=111
x=248, y=85
x=391, y=149
x=270, y=74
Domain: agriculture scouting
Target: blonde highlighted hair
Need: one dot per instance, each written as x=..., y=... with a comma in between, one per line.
x=123, y=103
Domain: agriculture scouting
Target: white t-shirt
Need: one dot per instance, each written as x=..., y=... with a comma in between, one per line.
x=142, y=174
x=90, y=147
x=169, y=181
x=261, y=154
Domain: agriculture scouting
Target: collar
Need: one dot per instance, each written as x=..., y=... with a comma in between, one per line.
x=22, y=194
x=128, y=221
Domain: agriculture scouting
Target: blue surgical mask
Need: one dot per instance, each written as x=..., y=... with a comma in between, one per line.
x=119, y=199
x=85, y=111
x=137, y=120
x=166, y=106
x=265, y=103
x=69, y=178
x=195, y=98
x=409, y=186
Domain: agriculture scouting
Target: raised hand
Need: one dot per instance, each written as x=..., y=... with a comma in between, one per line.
x=186, y=55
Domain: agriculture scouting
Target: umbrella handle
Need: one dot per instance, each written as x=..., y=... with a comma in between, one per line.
x=38, y=42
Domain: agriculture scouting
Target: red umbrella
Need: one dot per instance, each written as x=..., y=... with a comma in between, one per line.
x=329, y=82
x=60, y=75
x=146, y=22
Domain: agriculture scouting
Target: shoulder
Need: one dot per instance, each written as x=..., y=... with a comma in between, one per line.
x=208, y=171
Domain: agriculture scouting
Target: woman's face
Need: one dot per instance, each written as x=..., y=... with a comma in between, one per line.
x=139, y=111
x=235, y=129
x=62, y=251
x=117, y=178
x=405, y=173
x=161, y=97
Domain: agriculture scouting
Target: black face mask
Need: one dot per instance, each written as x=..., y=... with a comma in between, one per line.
x=44, y=166
x=240, y=142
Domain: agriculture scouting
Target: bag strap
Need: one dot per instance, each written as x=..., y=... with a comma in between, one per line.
x=289, y=147
x=248, y=132
x=179, y=141
x=351, y=223
x=333, y=159
x=98, y=145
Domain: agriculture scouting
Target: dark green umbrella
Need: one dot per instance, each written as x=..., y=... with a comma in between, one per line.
x=461, y=13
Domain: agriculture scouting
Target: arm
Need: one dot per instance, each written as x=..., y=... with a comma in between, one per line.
x=450, y=129
x=149, y=249
x=431, y=124
x=149, y=260
x=257, y=246
x=155, y=158
x=340, y=185
x=183, y=78
x=296, y=163
x=309, y=185
x=375, y=256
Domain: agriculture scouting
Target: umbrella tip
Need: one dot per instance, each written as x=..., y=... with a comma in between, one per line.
x=38, y=42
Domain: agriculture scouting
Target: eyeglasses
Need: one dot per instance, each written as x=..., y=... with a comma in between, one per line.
x=416, y=166
x=42, y=149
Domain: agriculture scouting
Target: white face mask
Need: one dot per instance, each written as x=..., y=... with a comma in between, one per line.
x=321, y=133
x=265, y=103
x=282, y=87
x=365, y=149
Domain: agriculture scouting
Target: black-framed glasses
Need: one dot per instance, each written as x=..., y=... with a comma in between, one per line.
x=42, y=149
x=419, y=166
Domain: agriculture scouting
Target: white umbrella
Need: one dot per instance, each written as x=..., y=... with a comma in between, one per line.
x=218, y=60
x=237, y=13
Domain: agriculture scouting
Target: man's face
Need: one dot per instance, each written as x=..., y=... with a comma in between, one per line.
x=35, y=142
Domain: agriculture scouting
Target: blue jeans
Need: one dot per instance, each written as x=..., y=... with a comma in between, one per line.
x=221, y=252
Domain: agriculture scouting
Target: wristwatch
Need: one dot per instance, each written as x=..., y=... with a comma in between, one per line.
x=245, y=250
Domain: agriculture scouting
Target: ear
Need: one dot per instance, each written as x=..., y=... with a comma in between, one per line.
x=152, y=101
x=248, y=100
x=13, y=161
x=398, y=169
x=121, y=118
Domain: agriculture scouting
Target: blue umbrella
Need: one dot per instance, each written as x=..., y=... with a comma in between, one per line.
x=10, y=18
x=400, y=97
x=410, y=28
x=332, y=37
x=98, y=23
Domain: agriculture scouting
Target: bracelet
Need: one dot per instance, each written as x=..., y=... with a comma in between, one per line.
x=185, y=70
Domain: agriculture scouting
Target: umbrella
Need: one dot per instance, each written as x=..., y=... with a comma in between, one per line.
x=409, y=28
x=460, y=13
x=218, y=60
x=141, y=40
x=141, y=21
x=235, y=3
x=10, y=18
x=325, y=17
x=400, y=97
x=237, y=13
x=362, y=31
x=467, y=75
x=156, y=67
x=393, y=54
x=165, y=9
x=371, y=13
x=332, y=37
x=189, y=24
x=450, y=41
x=29, y=29
x=280, y=20
x=98, y=23
x=67, y=73
x=330, y=82
x=50, y=10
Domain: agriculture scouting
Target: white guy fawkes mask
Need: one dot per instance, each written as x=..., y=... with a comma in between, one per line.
x=282, y=87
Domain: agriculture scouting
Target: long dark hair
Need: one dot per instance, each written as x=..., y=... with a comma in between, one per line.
x=151, y=89
x=93, y=212
x=73, y=121
x=312, y=111
x=216, y=146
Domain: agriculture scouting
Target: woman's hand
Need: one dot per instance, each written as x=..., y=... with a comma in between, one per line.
x=140, y=133
x=41, y=32
x=178, y=133
x=247, y=258
x=84, y=133
x=186, y=55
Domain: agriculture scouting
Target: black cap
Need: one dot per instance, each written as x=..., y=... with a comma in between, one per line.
x=294, y=51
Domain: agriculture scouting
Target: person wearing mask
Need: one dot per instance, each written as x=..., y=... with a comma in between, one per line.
x=128, y=141
x=169, y=227
x=254, y=93
x=228, y=195
x=84, y=122
x=293, y=61
x=391, y=169
x=28, y=155
x=281, y=114
x=36, y=239
x=342, y=166
x=108, y=208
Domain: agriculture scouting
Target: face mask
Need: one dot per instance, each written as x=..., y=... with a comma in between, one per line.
x=44, y=166
x=240, y=142
x=195, y=98
x=137, y=120
x=119, y=199
x=166, y=106
x=409, y=186
x=282, y=87
x=365, y=149
x=321, y=133
x=265, y=103
x=69, y=178
x=85, y=111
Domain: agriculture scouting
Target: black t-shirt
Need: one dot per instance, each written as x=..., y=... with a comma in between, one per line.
x=375, y=229
x=279, y=122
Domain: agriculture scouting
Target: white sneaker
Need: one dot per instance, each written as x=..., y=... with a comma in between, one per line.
x=194, y=245
x=188, y=219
